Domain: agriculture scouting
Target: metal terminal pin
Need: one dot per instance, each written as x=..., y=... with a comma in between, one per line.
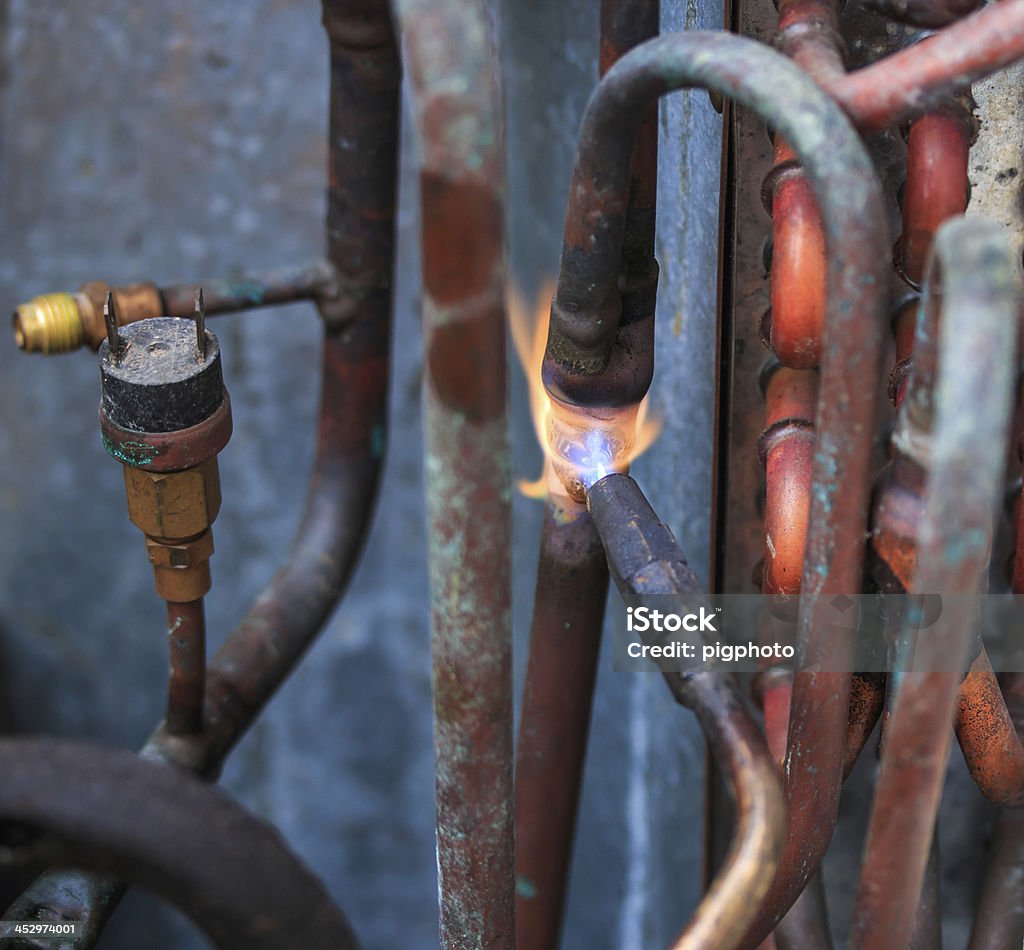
x=113, y=337
x=200, y=317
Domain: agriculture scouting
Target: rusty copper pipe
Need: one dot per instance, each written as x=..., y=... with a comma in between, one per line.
x=937, y=186
x=978, y=334
x=915, y=80
x=457, y=114
x=572, y=577
x=581, y=365
x=999, y=918
x=285, y=619
x=190, y=844
x=565, y=639
x=645, y=560
x=186, y=636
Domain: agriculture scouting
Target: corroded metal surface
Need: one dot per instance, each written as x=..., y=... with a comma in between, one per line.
x=979, y=307
x=189, y=843
x=457, y=110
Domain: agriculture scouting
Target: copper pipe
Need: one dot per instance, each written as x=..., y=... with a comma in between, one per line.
x=999, y=918
x=285, y=619
x=583, y=366
x=457, y=113
x=645, y=560
x=190, y=844
x=186, y=636
x=565, y=639
x=937, y=186
x=915, y=80
x=786, y=448
x=799, y=264
x=568, y=610
x=809, y=35
x=979, y=306
x=991, y=746
x=572, y=578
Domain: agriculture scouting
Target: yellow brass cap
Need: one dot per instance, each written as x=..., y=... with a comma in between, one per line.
x=51, y=323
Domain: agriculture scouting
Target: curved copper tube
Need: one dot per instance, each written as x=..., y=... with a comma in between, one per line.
x=457, y=112
x=191, y=844
x=937, y=186
x=285, y=619
x=645, y=559
x=581, y=365
x=809, y=35
x=919, y=78
x=979, y=305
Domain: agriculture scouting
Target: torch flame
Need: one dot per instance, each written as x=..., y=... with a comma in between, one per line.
x=529, y=336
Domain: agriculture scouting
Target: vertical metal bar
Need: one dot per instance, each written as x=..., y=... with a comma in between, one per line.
x=457, y=113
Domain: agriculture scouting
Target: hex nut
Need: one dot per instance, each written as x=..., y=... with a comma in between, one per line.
x=174, y=506
x=179, y=556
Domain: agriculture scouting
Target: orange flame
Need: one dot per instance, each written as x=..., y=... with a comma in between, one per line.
x=529, y=336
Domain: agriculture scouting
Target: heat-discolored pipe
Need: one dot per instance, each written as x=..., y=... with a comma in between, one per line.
x=645, y=560
x=572, y=577
x=970, y=362
x=589, y=363
x=457, y=113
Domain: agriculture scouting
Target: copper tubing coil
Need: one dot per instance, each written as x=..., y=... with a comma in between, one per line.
x=454, y=86
x=187, y=842
x=852, y=211
x=979, y=309
x=645, y=560
x=937, y=187
x=285, y=619
x=572, y=578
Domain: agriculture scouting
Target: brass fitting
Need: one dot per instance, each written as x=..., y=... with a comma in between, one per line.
x=63, y=322
x=175, y=511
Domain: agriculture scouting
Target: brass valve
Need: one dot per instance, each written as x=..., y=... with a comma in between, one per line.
x=165, y=415
x=62, y=322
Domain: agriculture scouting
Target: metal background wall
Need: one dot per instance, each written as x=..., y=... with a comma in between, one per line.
x=184, y=140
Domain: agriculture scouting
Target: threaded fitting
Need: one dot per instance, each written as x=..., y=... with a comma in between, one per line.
x=50, y=323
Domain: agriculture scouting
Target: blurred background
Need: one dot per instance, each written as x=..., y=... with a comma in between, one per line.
x=186, y=139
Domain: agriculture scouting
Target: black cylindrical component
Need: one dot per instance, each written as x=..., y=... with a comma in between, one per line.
x=643, y=555
x=159, y=380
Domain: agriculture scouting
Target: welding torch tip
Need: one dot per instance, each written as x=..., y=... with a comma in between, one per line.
x=110, y=319
x=200, y=317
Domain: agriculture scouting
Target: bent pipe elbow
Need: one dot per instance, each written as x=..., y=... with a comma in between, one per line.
x=581, y=350
x=229, y=872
